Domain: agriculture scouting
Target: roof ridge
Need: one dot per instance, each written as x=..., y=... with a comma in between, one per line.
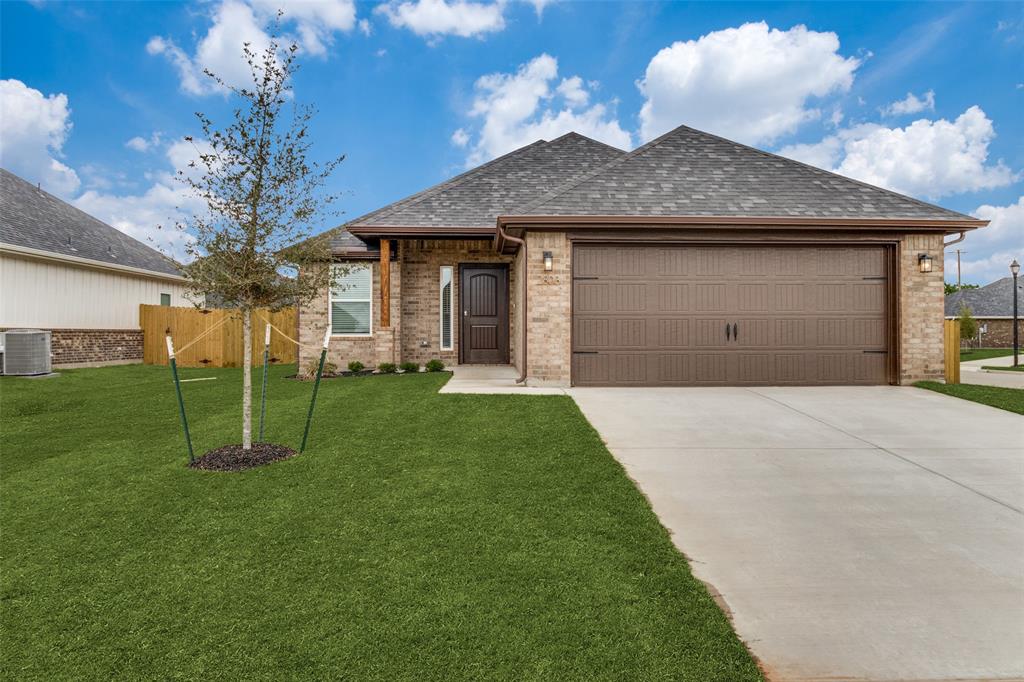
x=561, y=189
x=639, y=151
x=476, y=171
x=822, y=171
x=573, y=133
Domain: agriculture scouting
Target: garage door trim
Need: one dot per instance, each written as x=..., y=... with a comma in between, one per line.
x=892, y=250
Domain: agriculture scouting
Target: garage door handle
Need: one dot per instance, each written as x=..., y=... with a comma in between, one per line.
x=727, y=331
x=735, y=332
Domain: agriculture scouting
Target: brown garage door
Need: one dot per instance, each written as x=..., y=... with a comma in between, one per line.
x=729, y=315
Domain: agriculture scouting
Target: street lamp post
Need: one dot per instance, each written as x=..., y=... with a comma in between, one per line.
x=1014, y=269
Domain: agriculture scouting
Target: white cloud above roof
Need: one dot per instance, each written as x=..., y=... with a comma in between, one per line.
x=236, y=22
x=928, y=158
x=438, y=18
x=515, y=109
x=911, y=104
x=33, y=129
x=751, y=84
x=989, y=251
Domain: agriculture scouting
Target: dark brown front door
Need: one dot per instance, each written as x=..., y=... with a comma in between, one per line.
x=730, y=315
x=483, y=294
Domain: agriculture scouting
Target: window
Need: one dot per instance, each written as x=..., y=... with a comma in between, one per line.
x=446, y=307
x=165, y=299
x=351, y=300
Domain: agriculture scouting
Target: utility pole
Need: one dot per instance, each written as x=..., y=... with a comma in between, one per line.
x=958, y=252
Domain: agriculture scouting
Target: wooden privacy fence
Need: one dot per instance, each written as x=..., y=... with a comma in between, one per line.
x=222, y=347
x=951, y=347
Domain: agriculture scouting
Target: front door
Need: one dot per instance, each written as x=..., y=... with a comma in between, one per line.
x=483, y=298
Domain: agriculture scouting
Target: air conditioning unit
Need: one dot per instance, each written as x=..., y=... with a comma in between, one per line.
x=26, y=352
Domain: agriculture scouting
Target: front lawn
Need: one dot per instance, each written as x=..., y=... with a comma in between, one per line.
x=984, y=353
x=1011, y=399
x=421, y=536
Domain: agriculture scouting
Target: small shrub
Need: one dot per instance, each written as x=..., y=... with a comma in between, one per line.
x=386, y=368
x=310, y=371
x=434, y=366
x=355, y=366
x=409, y=366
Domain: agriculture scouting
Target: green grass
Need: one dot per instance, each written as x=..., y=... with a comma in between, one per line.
x=420, y=537
x=1004, y=368
x=1011, y=399
x=984, y=353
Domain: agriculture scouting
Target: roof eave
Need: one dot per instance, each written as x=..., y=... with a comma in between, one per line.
x=946, y=225
x=420, y=232
x=40, y=254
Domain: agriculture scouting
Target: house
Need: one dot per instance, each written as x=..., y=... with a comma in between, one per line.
x=690, y=261
x=65, y=271
x=992, y=306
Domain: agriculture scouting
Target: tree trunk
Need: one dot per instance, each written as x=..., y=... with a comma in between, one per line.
x=247, y=379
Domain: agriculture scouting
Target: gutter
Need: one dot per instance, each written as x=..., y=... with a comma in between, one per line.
x=803, y=222
x=499, y=236
x=946, y=245
x=39, y=254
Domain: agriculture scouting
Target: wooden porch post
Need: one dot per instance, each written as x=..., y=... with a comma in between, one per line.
x=385, y=283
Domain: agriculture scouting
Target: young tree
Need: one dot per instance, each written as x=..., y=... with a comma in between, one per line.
x=254, y=247
x=968, y=325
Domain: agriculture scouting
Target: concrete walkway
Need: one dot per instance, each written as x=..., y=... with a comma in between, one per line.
x=971, y=372
x=496, y=379
x=857, y=533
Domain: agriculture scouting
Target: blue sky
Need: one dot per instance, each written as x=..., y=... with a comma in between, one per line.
x=922, y=98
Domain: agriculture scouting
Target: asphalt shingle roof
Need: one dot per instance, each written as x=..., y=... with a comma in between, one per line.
x=687, y=172
x=992, y=300
x=35, y=219
x=476, y=198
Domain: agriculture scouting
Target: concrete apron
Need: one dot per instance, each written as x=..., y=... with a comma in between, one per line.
x=854, y=533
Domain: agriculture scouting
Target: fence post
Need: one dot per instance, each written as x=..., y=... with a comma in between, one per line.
x=951, y=347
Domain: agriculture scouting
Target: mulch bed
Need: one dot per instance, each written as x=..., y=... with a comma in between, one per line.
x=234, y=458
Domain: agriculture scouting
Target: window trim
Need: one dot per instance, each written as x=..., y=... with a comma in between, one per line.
x=331, y=300
x=451, y=308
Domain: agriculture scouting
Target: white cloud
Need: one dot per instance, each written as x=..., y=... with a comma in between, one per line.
x=438, y=18
x=165, y=202
x=33, y=128
x=365, y=28
x=751, y=84
x=539, y=5
x=236, y=22
x=927, y=158
x=911, y=104
x=143, y=144
x=515, y=109
x=460, y=138
x=989, y=251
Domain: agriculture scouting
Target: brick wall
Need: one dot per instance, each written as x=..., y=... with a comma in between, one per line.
x=343, y=349
x=922, y=307
x=70, y=347
x=999, y=333
x=549, y=353
x=421, y=296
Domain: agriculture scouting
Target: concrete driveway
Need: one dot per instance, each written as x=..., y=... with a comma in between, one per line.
x=856, y=533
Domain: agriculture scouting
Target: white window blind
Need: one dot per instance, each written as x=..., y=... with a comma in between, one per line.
x=446, y=307
x=351, y=299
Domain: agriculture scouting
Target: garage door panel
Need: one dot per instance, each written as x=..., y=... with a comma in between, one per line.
x=658, y=315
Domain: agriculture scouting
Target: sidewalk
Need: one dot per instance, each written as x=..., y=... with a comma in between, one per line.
x=971, y=372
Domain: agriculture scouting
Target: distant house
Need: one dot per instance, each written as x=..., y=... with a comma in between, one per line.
x=992, y=307
x=65, y=271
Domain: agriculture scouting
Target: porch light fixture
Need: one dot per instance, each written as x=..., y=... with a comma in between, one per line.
x=548, y=261
x=924, y=262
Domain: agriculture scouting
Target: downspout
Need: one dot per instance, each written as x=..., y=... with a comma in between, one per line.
x=526, y=266
x=946, y=245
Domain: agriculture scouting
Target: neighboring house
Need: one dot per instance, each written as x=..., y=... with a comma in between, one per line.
x=65, y=271
x=992, y=307
x=689, y=261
